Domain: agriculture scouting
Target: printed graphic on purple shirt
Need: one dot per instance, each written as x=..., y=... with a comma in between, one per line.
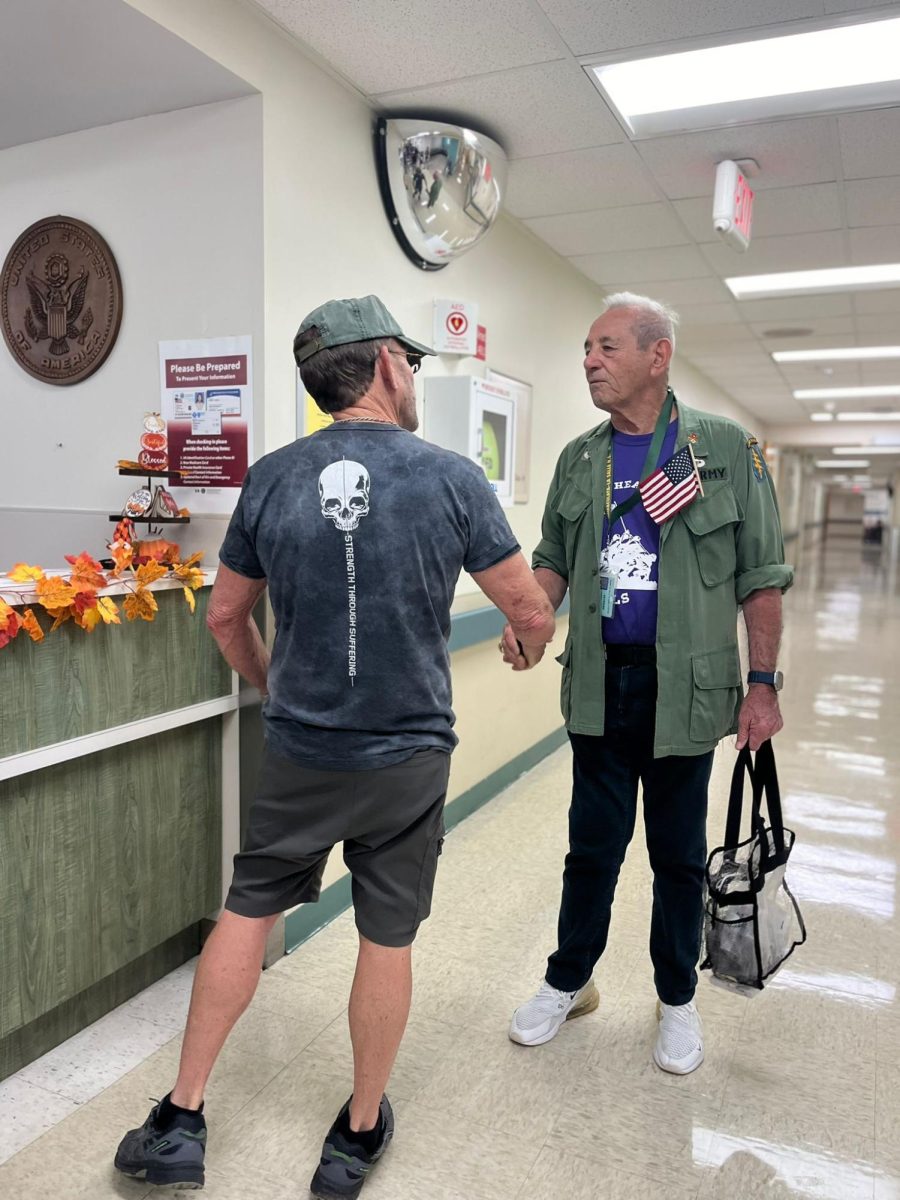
x=631, y=548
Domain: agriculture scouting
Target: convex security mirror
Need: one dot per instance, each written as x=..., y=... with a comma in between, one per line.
x=442, y=186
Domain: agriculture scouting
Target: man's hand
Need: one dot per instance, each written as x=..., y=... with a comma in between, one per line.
x=759, y=718
x=519, y=657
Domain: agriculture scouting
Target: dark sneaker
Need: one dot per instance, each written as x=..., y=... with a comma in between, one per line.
x=170, y=1153
x=345, y=1164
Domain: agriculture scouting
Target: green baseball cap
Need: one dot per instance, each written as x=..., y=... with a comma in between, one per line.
x=340, y=322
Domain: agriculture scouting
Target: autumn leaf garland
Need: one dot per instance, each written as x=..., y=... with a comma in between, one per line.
x=74, y=596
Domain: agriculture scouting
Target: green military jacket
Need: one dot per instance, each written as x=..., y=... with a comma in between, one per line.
x=713, y=554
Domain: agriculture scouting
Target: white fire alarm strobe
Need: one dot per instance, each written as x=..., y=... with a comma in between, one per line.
x=732, y=206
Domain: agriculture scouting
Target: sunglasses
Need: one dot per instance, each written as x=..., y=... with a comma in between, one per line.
x=414, y=360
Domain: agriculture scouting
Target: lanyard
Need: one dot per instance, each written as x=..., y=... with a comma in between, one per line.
x=650, y=464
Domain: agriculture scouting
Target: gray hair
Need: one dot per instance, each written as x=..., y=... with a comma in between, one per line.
x=653, y=320
x=339, y=376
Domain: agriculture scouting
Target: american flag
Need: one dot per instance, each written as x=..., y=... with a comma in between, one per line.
x=671, y=486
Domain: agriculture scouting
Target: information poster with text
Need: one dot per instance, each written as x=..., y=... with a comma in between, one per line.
x=207, y=404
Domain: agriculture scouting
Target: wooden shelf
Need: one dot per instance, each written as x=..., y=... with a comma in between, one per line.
x=150, y=474
x=150, y=520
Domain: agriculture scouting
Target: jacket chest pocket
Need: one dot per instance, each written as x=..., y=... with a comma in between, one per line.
x=713, y=521
x=571, y=504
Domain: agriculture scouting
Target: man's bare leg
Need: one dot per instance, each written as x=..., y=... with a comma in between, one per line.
x=226, y=979
x=379, y=1006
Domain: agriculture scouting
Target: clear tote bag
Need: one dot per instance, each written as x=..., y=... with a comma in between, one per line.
x=752, y=921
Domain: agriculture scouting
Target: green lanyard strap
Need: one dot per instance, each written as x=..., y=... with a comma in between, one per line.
x=650, y=463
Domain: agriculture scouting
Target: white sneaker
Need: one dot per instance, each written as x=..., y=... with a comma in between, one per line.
x=679, y=1043
x=539, y=1019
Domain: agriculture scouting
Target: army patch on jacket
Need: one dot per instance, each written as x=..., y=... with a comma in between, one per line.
x=756, y=459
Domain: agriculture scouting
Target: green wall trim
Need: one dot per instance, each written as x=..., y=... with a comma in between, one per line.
x=482, y=625
x=301, y=924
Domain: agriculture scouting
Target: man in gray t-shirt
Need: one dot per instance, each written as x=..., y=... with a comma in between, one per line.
x=360, y=532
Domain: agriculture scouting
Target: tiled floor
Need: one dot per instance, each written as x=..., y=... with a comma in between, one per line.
x=800, y=1093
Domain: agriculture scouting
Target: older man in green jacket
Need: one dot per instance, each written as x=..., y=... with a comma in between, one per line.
x=651, y=674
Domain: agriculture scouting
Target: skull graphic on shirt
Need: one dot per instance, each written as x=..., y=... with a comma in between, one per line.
x=344, y=493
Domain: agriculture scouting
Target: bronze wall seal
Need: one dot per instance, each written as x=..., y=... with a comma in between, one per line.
x=60, y=300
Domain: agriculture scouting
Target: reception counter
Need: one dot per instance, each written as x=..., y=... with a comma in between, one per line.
x=118, y=804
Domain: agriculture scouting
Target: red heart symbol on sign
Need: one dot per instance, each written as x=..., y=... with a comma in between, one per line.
x=457, y=323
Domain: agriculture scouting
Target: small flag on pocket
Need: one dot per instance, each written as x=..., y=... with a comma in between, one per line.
x=671, y=486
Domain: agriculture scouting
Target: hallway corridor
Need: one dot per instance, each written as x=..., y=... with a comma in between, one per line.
x=800, y=1092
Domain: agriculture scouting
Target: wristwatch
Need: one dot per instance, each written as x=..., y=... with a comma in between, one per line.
x=774, y=679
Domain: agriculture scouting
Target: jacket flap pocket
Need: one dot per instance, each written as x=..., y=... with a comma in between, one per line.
x=712, y=511
x=717, y=669
x=571, y=502
x=563, y=659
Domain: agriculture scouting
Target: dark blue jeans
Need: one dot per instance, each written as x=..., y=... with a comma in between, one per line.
x=601, y=824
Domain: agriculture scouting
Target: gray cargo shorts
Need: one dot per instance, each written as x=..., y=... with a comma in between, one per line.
x=390, y=819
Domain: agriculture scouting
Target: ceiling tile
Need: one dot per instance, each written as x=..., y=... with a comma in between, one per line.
x=791, y=309
x=632, y=228
x=825, y=327
x=880, y=374
x=578, y=181
x=801, y=252
x=870, y=143
x=880, y=326
x=776, y=211
x=448, y=41
x=542, y=109
x=822, y=375
x=591, y=28
x=790, y=153
x=874, y=302
x=834, y=7
x=672, y=262
x=680, y=291
x=694, y=315
x=872, y=201
x=875, y=245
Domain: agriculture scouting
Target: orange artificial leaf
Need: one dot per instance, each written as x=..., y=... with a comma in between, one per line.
x=141, y=604
x=87, y=570
x=189, y=562
x=88, y=620
x=5, y=610
x=150, y=572
x=191, y=577
x=184, y=512
x=61, y=616
x=108, y=610
x=54, y=594
x=84, y=600
x=21, y=573
x=31, y=626
x=189, y=596
x=121, y=553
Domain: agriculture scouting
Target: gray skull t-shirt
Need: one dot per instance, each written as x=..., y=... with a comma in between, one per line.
x=361, y=531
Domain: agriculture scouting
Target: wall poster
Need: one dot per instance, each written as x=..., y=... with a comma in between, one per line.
x=207, y=405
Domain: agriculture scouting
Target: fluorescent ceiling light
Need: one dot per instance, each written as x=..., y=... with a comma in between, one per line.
x=840, y=463
x=852, y=354
x=846, y=393
x=827, y=279
x=823, y=70
x=821, y=416
x=866, y=450
x=868, y=416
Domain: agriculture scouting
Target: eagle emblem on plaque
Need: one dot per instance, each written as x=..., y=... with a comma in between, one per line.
x=56, y=305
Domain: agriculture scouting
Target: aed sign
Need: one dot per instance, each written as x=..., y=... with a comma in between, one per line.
x=455, y=327
x=732, y=206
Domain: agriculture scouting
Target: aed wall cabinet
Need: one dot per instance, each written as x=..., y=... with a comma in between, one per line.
x=476, y=419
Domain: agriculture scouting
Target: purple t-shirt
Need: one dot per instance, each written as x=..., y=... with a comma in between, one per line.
x=631, y=548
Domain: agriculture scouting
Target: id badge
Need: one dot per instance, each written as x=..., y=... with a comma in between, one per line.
x=607, y=594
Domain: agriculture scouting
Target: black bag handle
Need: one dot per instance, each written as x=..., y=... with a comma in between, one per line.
x=763, y=780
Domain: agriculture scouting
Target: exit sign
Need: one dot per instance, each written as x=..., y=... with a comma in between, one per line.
x=732, y=206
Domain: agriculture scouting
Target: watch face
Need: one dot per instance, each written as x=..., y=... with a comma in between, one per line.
x=778, y=681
